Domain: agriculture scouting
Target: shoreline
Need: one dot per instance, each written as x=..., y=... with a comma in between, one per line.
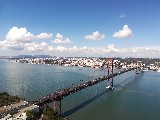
x=15, y=107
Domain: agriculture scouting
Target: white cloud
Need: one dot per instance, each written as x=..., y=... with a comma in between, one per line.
x=126, y=32
x=60, y=40
x=95, y=36
x=56, y=41
x=122, y=15
x=84, y=48
x=109, y=51
x=50, y=48
x=73, y=49
x=19, y=35
x=67, y=41
x=61, y=48
x=111, y=48
x=59, y=36
x=44, y=36
x=20, y=39
x=14, y=45
x=34, y=47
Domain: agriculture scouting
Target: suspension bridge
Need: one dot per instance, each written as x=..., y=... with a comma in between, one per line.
x=58, y=96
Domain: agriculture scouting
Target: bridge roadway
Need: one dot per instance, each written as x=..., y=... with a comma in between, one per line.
x=59, y=95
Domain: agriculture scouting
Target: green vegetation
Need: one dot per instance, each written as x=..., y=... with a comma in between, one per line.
x=50, y=114
x=31, y=115
x=6, y=99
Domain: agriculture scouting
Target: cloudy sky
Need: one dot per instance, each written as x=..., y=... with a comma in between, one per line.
x=97, y=28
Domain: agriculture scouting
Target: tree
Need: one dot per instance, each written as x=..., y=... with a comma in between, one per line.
x=50, y=114
x=31, y=115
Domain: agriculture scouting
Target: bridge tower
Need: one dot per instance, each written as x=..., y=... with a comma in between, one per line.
x=58, y=104
x=110, y=69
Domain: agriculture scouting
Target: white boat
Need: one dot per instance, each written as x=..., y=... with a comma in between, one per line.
x=80, y=66
x=145, y=70
x=66, y=65
x=109, y=87
x=158, y=70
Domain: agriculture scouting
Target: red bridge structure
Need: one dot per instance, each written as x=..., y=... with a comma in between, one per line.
x=58, y=96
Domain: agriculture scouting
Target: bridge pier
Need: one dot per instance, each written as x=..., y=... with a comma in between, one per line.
x=110, y=63
x=55, y=105
x=112, y=74
x=59, y=105
x=108, y=70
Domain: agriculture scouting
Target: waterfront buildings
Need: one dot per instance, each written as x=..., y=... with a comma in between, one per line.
x=147, y=64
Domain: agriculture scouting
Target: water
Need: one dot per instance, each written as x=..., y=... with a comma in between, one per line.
x=136, y=97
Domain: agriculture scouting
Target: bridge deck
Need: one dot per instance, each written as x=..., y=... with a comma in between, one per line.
x=58, y=95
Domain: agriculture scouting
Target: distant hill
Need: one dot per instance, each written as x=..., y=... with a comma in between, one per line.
x=32, y=56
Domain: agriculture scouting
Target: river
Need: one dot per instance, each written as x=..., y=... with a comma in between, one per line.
x=135, y=97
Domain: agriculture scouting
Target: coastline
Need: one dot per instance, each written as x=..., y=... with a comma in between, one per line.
x=15, y=107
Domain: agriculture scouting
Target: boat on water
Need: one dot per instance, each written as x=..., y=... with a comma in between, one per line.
x=137, y=72
x=109, y=87
x=145, y=70
x=158, y=70
x=80, y=66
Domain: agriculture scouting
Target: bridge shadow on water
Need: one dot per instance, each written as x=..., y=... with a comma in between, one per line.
x=85, y=103
x=128, y=80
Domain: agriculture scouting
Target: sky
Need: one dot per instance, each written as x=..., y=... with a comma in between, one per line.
x=80, y=28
